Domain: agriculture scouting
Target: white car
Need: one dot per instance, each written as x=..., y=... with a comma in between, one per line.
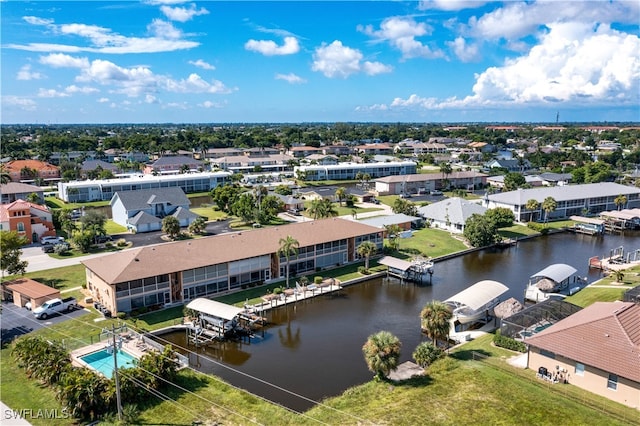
x=51, y=240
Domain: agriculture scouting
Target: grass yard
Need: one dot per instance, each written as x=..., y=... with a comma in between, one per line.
x=61, y=278
x=432, y=243
x=517, y=231
x=587, y=296
x=209, y=213
x=113, y=228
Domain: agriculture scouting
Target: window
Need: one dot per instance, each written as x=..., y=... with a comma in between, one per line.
x=20, y=227
x=612, y=383
x=579, y=369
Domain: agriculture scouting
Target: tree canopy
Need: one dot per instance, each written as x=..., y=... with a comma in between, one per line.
x=10, y=251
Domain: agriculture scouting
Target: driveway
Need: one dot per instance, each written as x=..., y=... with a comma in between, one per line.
x=18, y=321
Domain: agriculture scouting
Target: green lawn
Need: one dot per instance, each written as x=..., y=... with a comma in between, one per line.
x=587, y=296
x=113, y=228
x=517, y=231
x=209, y=213
x=60, y=278
x=431, y=242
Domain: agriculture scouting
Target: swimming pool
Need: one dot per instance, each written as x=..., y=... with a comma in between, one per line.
x=102, y=361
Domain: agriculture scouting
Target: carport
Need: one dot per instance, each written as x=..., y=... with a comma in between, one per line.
x=26, y=290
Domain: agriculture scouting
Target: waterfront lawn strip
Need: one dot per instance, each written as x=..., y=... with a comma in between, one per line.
x=209, y=213
x=431, y=242
x=589, y=295
x=517, y=231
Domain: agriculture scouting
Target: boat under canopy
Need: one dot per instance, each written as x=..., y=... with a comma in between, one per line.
x=557, y=272
x=479, y=294
x=215, y=309
x=414, y=270
x=395, y=263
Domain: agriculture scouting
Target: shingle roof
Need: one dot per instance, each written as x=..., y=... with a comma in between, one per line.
x=19, y=188
x=94, y=164
x=422, y=177
x=143, y=218
x=182, y=213
x=605, y=335
x=178, y=160
x=457, y=210
x=563, y=193
x=140, y=199
x=181, y=255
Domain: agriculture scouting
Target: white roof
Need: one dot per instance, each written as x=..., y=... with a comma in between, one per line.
x=394, y=262
x=393, y=219
x=558, y=272
x=215, y=309
x=564, y=193
x=587, y=220
x=479, y=294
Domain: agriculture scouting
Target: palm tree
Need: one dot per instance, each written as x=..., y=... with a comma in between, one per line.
x=288, y=246
x=393, y=232
x=381, y=353
x=315, y=208
x=532, y=205
x=548, y=205
x=435, y=317
x=328, y=209
x=341, y=194
x=445, y=169
x=5, y=177
x=367, y=249
x=620, y=201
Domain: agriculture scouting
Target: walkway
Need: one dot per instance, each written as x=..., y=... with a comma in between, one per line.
x=39, y=261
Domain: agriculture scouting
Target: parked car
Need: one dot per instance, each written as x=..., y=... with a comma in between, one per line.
x=101, y=239
x=50, y=247
x=375, y=201
x=51, y=240
x=55, y=306
x=435, y=192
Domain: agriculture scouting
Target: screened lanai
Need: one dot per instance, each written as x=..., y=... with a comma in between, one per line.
x=536, y=318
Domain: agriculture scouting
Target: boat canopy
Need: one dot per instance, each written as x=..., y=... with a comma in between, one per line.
x=589, y=220
x=558, y=272
x=479, y=294
x=214, y=309
x=395, y=263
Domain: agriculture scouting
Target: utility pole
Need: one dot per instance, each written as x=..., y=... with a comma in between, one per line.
x=115, y=372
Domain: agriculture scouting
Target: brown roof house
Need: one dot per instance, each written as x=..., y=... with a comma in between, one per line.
x=597, y=349
x=177, y=272
x=24, y=290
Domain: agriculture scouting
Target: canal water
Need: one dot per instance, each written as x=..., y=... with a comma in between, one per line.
x=313, y=349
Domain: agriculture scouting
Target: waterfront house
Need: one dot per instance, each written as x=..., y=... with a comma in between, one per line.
x=571, y=200
x=450, y=214
x=177, y=272
x=596, y=349
x=425, y=182
x=143, y=210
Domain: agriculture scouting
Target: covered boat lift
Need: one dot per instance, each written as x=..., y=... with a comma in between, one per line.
x=476, y=302
x=404, y=270
x=554, y=278
x=587, y=225
x=215, y=320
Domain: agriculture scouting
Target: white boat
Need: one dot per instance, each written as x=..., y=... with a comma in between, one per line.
x=422, y=266
x=557, y=280
x=476, y=302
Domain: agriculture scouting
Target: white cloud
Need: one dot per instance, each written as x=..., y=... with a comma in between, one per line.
x=150, y=99
x=85, y=90
x=195, y=84
x=521, y=19
x=291, y=78
x=202, y=64
x=26, y=74
x=270, y=48
x=20, y=102
x=571, y=63
x=209, y=104
x=450, y=4
x=103, y=100
x=165, y=38
x=51, y=93
x=182, y=14
x=61, y=60
x=464, y=51
x=336, y=60
x=401, y=33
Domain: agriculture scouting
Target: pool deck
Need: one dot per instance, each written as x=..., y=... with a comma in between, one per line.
x=132, y=345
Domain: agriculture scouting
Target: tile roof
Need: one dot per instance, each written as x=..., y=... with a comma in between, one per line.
x=22, y=205
x=182, y=255
x=605, y=335
x=18, y=165
x=421, y=177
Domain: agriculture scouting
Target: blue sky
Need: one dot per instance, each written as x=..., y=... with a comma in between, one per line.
x=158, y=61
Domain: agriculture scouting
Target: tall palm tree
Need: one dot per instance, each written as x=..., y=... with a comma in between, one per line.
x=393, y=233
x=328, y=209
x=288, y=246
x=445, y=169
x=367, y=249
x=620, y=201
x=532, y=205
x=341, y=194
x=381, y=353
x=434, y=319
x=315, y=209
x=548, y=205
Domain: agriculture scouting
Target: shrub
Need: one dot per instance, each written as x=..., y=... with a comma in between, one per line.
x=539, y=227
x=121, y=315
x=84, y=286
x=317, y=280
x=426, y=353
x=508, y=343
x=277, y=290
x=362, y=270
x=121, y=242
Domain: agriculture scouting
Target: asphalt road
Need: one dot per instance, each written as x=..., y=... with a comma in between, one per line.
x=155, y=237
x=18, y=321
